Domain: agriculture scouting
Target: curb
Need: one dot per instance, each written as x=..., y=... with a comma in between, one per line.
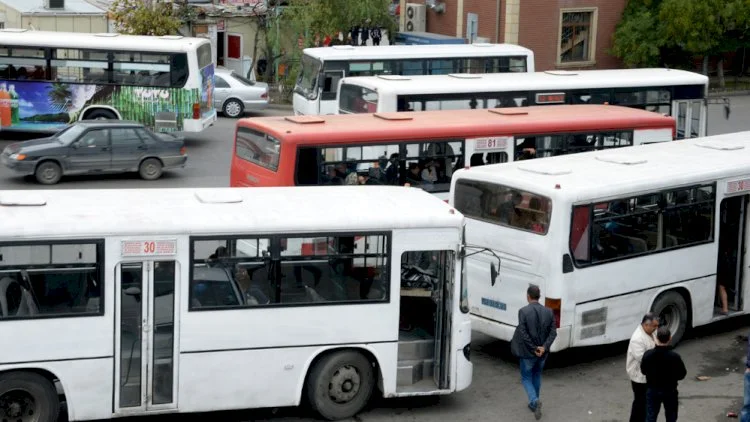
x=287, y=107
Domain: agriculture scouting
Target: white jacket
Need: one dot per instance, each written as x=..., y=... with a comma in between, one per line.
x=640, y=342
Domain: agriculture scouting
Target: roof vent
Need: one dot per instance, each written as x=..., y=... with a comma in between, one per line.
x=302, y=120
x=394, y=116
x=560, y=72
x=394, y=77
x=482, y=44
x=719, y=145
x=343, y=47
x=54, y=4
x=510, y=111
x=547, y=169
x=106, y=34
x=21, y=199
x=14, y=29
x=217, y=197
x=465, y=75
x=623, y=159
x=171, y=37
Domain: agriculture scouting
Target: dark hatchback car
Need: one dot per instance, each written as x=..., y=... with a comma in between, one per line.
x=96, y=147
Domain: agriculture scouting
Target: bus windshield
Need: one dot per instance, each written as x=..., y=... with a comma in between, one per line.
x=503, y=205
x=308, y=77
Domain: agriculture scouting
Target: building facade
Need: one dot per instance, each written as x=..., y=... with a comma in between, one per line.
x=51, y=15
x=564, y=34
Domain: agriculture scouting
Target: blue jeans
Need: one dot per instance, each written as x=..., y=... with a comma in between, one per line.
x=745, y=412
x=531, y=378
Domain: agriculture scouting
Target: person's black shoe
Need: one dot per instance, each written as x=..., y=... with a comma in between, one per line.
x=538, y=410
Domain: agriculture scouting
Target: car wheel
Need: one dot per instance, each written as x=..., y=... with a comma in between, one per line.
x=101, y=115
x=233, y=108
x=48, y=173
x=150, y=169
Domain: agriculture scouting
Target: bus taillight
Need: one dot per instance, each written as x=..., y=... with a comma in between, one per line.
x=196, y=111
x=555, y=305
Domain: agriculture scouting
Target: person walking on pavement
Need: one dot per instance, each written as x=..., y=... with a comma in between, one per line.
x=663, y=368
x=745, y=412
x=643, y=339
x=531, y=342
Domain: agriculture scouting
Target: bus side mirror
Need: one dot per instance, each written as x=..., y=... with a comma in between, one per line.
x=494, y=272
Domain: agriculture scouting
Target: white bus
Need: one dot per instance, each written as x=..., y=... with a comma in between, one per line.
x=141, y=312
x=51, y=79
x=678, y=93
x=610, y=235
x=323, y=67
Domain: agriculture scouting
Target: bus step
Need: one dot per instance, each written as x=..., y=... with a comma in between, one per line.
x=412, y=371
x=416, y=349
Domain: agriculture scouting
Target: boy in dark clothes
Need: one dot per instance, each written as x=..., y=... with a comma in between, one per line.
x=663, y=368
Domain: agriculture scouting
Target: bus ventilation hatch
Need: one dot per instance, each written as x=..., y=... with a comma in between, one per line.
x=217, y=197
x=393, y=116
x=303, y=120
x=508, y=111
x=627, y=160
x=21, y=199
x=719, y=145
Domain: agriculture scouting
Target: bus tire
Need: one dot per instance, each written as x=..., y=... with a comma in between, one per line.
x=101, y=114
x=26, y=396
x=233, y=108
x=672, y=311
x=150, y=169
x=340, y=384
x=48, y=173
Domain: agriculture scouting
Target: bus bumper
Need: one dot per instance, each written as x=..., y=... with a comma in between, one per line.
x=197, y=125
x=505, y=332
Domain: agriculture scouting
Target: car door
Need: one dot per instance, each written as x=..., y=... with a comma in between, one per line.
x=91, y=152
x=127, y=149
x=221, y=91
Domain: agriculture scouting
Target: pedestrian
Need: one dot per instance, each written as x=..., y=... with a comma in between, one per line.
x=663, y=368
x=641, y=341
x=375, y=34
x=530, y=344
x=365, y=32
x=745, y=412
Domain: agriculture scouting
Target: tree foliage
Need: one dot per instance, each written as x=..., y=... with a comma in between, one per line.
x=329, y=17
x=637, y=39
x=145, y=17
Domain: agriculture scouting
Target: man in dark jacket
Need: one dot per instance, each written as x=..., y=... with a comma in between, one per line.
x=531, y=342
x=662, y=368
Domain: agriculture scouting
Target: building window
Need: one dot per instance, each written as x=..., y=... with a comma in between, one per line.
x=577, y=35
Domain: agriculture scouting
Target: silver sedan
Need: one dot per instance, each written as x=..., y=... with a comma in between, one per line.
x=235, y=94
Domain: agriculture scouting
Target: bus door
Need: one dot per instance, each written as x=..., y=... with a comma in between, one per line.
x=691, y=118
x=146, y=312
x=732, y=249
x=490, y=150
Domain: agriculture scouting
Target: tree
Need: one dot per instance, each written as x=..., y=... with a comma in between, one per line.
x=145, y=17
x=637, y=39
x=706, y=27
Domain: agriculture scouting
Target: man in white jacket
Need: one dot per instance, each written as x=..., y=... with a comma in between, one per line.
x=641, y=341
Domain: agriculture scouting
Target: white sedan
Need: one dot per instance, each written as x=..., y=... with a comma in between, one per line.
x=235, y=94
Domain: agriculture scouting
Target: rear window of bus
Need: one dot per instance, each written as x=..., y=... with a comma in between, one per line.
x=357, y=99
x=258, y=148
x=503, y=205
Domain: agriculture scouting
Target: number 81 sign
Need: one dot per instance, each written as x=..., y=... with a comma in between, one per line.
x=148, y=247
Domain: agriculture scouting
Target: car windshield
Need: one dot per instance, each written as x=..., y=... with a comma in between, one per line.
x=69, y=134
x=242, y=79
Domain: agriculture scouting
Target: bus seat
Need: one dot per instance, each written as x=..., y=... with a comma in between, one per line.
x=4, y=284
x=92, y=305
x=671, y=241
x=312, y=295
x=26, y=305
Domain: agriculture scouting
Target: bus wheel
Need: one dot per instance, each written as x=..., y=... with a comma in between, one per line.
x=233, y=108
x=101, y=115
x=150, y=169
x=673, y=314
x=340, y=385
x=27, y=397
x=48, y=173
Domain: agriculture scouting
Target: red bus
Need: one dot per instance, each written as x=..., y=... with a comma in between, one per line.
x=424, y=148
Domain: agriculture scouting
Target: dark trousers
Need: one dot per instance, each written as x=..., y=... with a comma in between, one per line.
x=638, y=409
x=654, y=399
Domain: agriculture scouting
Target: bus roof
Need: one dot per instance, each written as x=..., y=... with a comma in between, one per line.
x=601, y=174
x=535, y=81
x=348, y=52
x=131, y=212
x=378, y=127
x=105, y=41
